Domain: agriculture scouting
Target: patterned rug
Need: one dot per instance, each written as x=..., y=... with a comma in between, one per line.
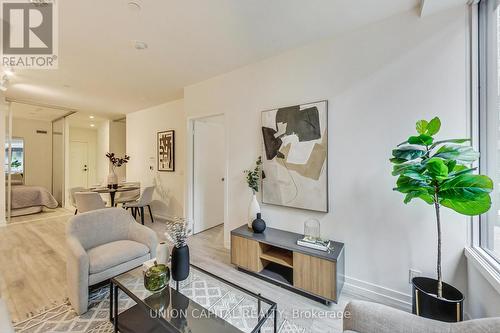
x=228, y=303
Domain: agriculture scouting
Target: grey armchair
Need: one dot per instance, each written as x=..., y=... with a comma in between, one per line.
x=102, y=244
x=367, y=317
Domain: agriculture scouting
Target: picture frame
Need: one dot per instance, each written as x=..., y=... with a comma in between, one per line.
x=165, y=150
x=295, y=156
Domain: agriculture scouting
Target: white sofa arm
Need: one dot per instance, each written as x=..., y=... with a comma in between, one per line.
x=144, y=235
x=5, y=322
x=367, y=317
x=77, y=271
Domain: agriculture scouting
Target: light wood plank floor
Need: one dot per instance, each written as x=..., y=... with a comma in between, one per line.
x=33, y=271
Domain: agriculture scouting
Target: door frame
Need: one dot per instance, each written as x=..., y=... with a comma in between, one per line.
x=189, y=210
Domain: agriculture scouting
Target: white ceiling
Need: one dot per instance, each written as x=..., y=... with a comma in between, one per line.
x=189, y=41
x=25, y=111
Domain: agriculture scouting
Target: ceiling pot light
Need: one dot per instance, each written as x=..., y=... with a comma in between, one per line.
x=140, y=45
x=92, y=125
x=91, y=117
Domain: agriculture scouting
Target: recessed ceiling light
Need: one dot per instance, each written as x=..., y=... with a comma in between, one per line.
x=134, y=6
x=91, y=117
x=92, y=125
x=140, y=45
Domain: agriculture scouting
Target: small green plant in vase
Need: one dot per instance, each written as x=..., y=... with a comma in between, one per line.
x=253, y=180
x=439, y=172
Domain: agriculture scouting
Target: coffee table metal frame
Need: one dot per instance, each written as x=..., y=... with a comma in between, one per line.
x=115, y=286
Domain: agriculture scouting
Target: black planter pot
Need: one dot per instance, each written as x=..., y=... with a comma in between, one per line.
x=426, y=304
x=180, y=263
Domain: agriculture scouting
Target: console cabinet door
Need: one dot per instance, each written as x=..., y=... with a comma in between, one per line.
x=245, y=253
x=314, y=275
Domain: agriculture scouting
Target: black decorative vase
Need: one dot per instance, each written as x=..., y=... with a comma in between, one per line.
x=258, y=225
x=426, y=304
x=180, y=263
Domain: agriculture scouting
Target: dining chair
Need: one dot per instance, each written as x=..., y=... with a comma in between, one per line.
x=144, y=200
x=127, y=196
x=72, y=192
x=87, y=201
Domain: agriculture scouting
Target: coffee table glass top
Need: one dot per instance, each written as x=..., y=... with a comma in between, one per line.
x=201, y=303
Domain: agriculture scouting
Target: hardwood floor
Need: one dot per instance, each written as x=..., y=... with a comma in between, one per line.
x=33, y=272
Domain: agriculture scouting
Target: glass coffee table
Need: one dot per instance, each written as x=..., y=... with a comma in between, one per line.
x=203, y=303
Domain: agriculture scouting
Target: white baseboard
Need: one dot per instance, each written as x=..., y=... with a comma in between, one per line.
x=378, y=294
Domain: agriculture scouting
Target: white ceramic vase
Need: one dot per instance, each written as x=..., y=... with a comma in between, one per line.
x=253, y=209
x=162, y=253
x=112, y=177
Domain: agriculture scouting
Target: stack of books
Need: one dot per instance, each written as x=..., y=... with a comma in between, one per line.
x=317, y=244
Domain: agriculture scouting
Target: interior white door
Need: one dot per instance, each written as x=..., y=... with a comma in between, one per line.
x=78, y=164
x=208, y=172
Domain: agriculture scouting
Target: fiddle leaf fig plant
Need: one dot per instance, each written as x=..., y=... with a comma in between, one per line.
x=439, y=172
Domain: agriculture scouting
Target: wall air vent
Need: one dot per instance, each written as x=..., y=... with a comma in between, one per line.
x=41, y=132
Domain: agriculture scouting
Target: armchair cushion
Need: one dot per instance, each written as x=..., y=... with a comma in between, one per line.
x=112, y=254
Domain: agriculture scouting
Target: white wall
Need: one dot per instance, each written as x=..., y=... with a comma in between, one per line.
x=90, y=137
x=378, y=81
x=482, y=299
x=4, y=111
x=37, y=150
x=102, y=162
x=117, y=144
x=142, y=128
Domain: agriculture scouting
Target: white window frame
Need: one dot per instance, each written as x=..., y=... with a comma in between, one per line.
x=484, y=261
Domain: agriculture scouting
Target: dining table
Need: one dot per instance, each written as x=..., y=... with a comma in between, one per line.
x=112, y=191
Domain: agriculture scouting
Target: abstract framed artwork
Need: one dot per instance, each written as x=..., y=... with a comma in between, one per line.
x=295, y=163
x=166, y=151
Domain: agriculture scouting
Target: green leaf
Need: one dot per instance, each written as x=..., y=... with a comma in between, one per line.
x=407, y=166
x=422, y=126
x=397, y=160
x=416, y=175
x=437, y=168
x=422, y=140
x=460, y=170
x=408, y=152
x=465, y=187
x=406, y=184
x=461, y=154
x=479, y=205
x=434, y=126
x=424, y=195
x=449, y=141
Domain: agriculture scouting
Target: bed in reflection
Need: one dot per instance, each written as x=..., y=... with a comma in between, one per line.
x=28, y=199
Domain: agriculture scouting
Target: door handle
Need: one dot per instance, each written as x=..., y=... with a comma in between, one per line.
x=222, y=179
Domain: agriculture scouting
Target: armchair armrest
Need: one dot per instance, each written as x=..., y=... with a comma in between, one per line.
x=144, y=235
x=367, y=317
x=77, y=271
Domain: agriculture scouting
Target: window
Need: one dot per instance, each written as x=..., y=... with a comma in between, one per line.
x=17, y=162
x=489, y=119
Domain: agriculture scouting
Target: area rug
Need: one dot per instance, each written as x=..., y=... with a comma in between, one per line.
x=228, y=303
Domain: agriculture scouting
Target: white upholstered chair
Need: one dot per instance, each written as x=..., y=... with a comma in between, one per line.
x=144, y=201
x=72, y=192
x=87, y=201
x=127, y=196
x=368, y=317
x=102, y=244
x=5, y=321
